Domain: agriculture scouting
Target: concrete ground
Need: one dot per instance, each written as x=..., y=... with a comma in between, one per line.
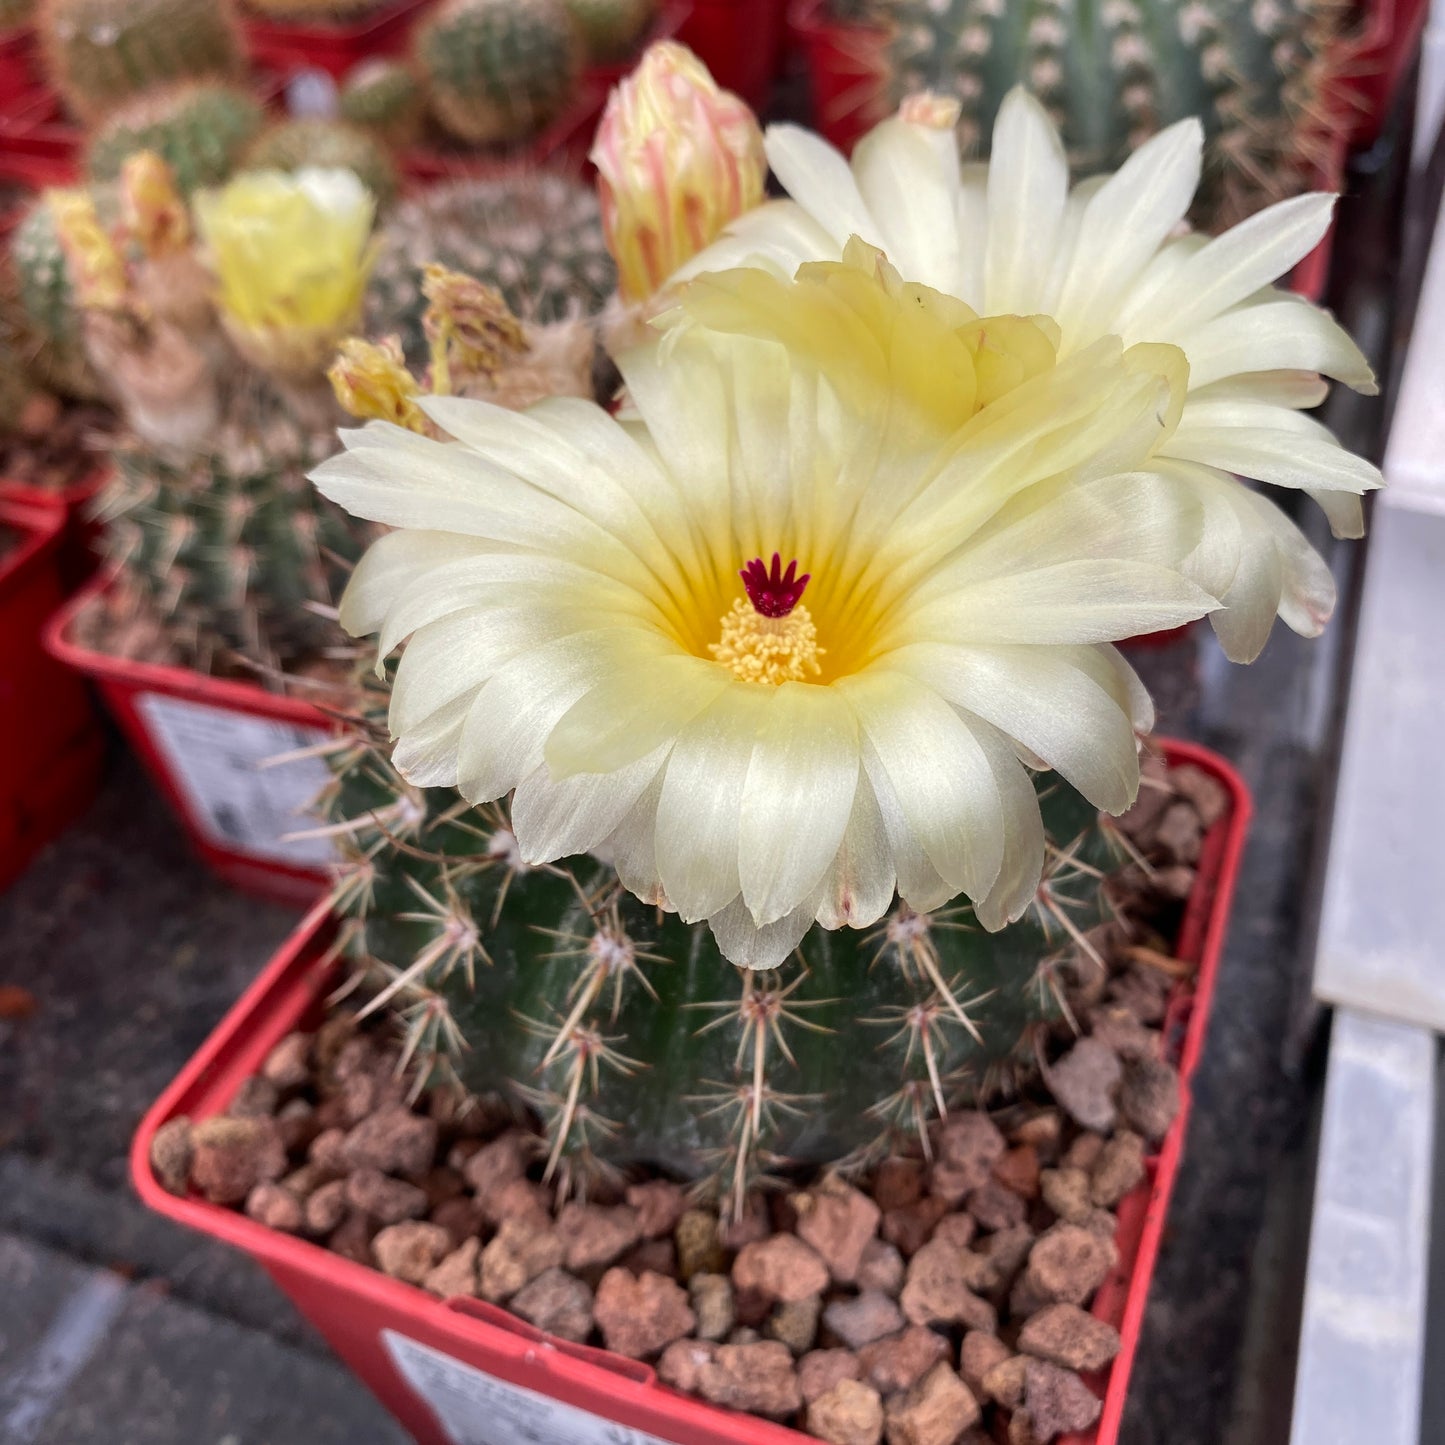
x=117, y=1328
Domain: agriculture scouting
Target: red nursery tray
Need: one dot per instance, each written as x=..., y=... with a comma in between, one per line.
x=78, y=528
x=741, y=42
x=207, y=742
x=20, y=70
x=51, y=752
x=461, y=1372
x=335, y=48
x=845, y=64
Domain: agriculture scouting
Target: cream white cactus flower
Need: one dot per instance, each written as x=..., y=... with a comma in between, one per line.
x=777, y=646
x=1109, y=257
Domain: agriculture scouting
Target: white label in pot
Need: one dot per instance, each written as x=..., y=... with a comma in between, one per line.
x=217, y=759
x=474, y=1408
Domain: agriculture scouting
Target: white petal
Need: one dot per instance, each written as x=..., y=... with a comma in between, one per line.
x=631, y=848
x=859, y=884
x=559, y=819
x=1286, y=456
x=797, y=799
x=778, y=236
x=818, y=178
x=743, y=943
x=1288, y=334
x=1028, y=184
x=1023, y=858
x=390, y=565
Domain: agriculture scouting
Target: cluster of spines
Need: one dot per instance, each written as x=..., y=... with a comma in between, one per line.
x=626, y=1034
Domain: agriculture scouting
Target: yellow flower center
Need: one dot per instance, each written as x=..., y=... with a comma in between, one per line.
x=768, y=649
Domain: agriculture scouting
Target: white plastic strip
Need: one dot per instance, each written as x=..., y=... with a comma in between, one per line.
x=1362, y=1338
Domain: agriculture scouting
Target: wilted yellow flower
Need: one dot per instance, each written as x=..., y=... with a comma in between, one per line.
x=470, y=327
x=152, y=212
x=372, y=383
x=96, y=269
x=776, y=643
x=677, y=159
x=291, y=254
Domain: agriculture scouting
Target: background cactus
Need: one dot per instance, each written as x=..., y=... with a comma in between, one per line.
x=46, y=298
x=536, y=238
x=200, y=128
x=101, y=53
x=14, y=13
x=383, y=97
x=292, y=144
x=227, y=550
x=310, y=12
x=1259, y=76
x=611, y=29
x=496, y=71
x=633, y=1040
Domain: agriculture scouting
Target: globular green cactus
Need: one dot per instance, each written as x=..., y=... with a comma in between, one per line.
x=382, y=96
x=229, y=552
x=101, y=53
x=1259, y=75
x=312, y=12
x=46, y=298
x=292, y=144
x=200, y=128
x=629, y=1036
x=611, y=29
x=537, y=238
x=497, y=71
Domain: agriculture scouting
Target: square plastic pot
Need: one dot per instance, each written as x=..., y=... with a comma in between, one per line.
x=461, y=1372
x=51, y=751
x=741, y=42
x=288, y=46
x=210, y=743
x=846, y=67
x=78, y=528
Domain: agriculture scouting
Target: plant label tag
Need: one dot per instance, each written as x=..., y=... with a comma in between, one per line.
x=475, y=1408
x=216, y=759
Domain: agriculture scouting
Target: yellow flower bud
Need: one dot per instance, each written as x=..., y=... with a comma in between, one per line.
x=153, y=214
x=96, y=269
x=471, y=330
x=936, y=112
x=677, y=159
x=372, y=383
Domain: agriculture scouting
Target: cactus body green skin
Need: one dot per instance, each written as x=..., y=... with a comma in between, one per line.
x=327, y=143
x=536, y=238
x=611, y=29
x=101, y=53
x=383, y=97
x=634, y=1041
x=227, y=550
x=497, y=71
x=1256, y=72
x=201, y=130
x=47, y=300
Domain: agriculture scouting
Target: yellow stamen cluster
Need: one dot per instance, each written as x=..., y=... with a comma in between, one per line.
x=769, y=649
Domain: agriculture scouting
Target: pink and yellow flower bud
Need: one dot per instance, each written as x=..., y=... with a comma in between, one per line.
x=677, y=160
x=96, y=269
x=372, y=383
x=153, y=215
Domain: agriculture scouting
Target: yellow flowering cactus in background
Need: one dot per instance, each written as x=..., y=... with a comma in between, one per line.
x=96, y=267
x=153, y=214
x=371, y=382
x=607, y=617
x=1109, y=258
x=291, y=254
x=677, y=159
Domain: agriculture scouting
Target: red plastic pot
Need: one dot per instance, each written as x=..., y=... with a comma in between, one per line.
x=1377, y=63
x=846, y=66
x=51, y=752
x=741, y=42
x=461, y=1372
x=78, y=528
x=287, y=46
x=21, y=74
x=208, y=743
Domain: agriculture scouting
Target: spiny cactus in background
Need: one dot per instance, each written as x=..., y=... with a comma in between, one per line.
x=292, y=144
x=46, y=297
x=611, y=29
x=383, y=97
x=1258, y=73
x=536, y=238
x=310, y=12
x=101, y=53
x=17, y=382
x=632, y=1039
x=229, y=551
x=200, y=128
x=497, y=71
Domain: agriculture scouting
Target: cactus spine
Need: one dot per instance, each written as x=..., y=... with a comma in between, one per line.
x=1258, y=75
x=536, y=238
x=497, y=71
x=101, y=53
x=326, y=143
x=633, y=1040
x=200, y=128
